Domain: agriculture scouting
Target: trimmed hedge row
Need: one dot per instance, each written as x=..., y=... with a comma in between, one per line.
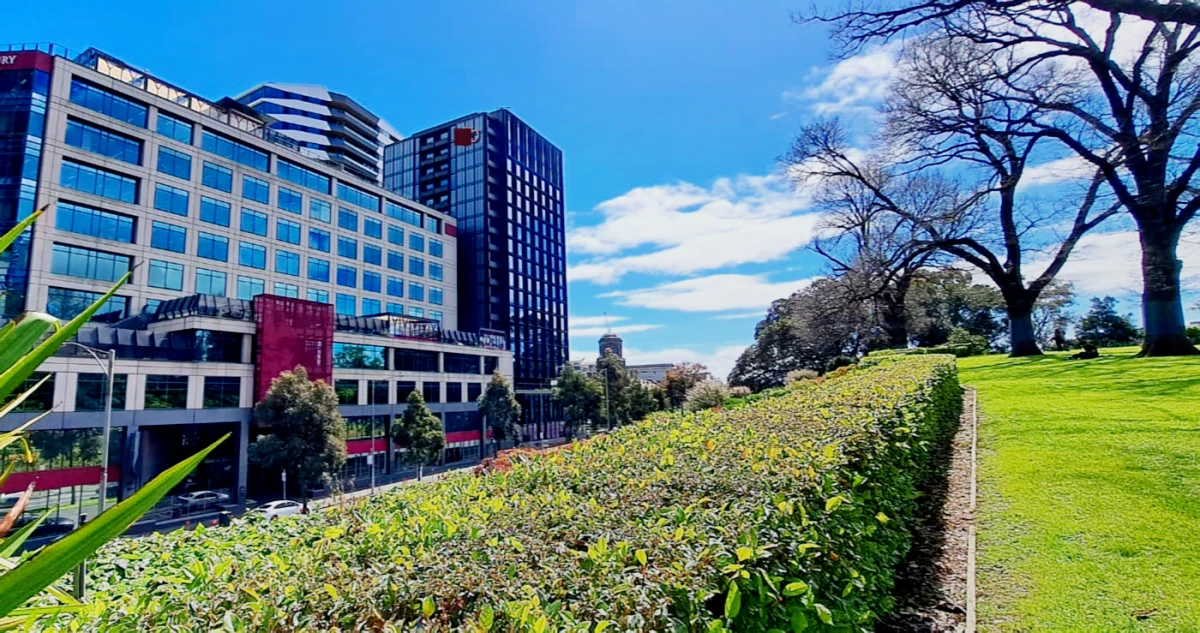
x=790, y=513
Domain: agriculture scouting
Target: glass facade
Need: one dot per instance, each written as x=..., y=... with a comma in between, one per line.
x=505, y=191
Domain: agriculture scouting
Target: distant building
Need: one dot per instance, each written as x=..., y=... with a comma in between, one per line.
x=612, y=342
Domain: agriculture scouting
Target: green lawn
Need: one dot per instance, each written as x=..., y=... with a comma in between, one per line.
x=1089, y=507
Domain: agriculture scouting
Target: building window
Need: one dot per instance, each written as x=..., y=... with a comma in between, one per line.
x=254, y=222
x=42, y=399
x=91, y=392
x=435, y=271
x=98, y=182
x=416, y=242
x=287, y=263
x=345, y=305
x=168, y=237
x=76, y=261
x=320, y=210
x=372, y=254
x=222, y=392
x=108, y=103
x=256, y=190
x=435, y=295
x=318, y=296
x=454, y=392
x=170, y=199
x=216, y=177
x=404, y=389
x=318, y=269
x=371, y=306
x=174, y=163
x=214, y=211
x=235, y=151
x=474, y=390
x=433, y=225
x=107, y=143
x=318, y=240
x=404, y=214
x=66, y=304
x=417, y=312
x=287, y=231
x=436, y=316
x=395, y=308
x=395, y=287
x=396, y=235
x=249, y=287
x=347, y=248
x=347, y=276
x=252, y=255
x=373, y=228
x=378, y=392
x=395, y=261
x=210, y=282
x=372, y=282
x=353, y=356
x=304, y=177
x=347, y=219
x=358, y=197
x=435, y=248
x=167, y=275
x=416, y=266
x=166, y=392
x=291, y=201
x=292, y=291
x=174, y=128
x=213, y=247
x=432, y=391
x=83, y=220
x=347, y=391
x=416, y=360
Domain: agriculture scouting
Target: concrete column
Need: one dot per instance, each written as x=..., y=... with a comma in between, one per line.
x=362, y=391
x=243, y=460
x=195, y=398
x=247, y=347
x=135, y=396
x=65, y=385
x=391, y=358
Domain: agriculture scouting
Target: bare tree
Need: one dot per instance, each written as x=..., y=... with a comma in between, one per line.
x=1126, y=103
x=943, y=111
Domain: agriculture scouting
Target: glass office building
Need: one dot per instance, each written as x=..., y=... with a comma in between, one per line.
x=503, y=183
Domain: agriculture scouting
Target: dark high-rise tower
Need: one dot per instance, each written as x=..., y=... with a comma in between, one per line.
x=503, y=182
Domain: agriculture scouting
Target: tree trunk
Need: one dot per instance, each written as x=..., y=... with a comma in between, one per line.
x=1162, y=305
x=1020, y=328
x=894, y=316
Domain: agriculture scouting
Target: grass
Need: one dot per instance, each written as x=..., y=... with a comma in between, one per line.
x=1089, y=516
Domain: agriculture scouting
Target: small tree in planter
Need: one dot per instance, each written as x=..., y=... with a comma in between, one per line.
x=420, y=432
x=499, y=405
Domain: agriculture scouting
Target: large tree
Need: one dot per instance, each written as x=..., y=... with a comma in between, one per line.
x=499, y=406
x=1120, y=84
x=1103, y=326
x=944, y=300
x=679, y=380
x=581, y=398
x=305, y=430
x=420, y=432
x=947, y=109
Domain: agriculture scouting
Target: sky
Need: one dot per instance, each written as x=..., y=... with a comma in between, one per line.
x=671, y=117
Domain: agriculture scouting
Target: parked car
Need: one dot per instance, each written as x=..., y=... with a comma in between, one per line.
x=276, y=509
x=203, y=497
x=9, y=500
x=50, y=527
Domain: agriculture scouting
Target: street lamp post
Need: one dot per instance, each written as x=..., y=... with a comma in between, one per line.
x=109, y=369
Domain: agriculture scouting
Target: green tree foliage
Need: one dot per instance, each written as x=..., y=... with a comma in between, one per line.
x=581, y=398
x=305, y=438
x=940, y=301
x=1104, y=327
x=706, y=395
x=499, y=405
x=626, y=399
x=420, y=432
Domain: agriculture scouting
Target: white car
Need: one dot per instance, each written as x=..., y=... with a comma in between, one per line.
x=203, y=497
x=276, y=509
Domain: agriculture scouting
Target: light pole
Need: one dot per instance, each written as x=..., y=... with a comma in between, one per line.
x=373, y=453
x=110, y=378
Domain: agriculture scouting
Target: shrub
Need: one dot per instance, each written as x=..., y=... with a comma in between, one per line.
x=739, y=392
x=1193, y=334
x=799, y=374
x=706, y=395
x=789, y=513
x=838, y=362
x=972, y=344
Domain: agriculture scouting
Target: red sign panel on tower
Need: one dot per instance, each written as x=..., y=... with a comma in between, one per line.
x=464, y=136
x=291, y=332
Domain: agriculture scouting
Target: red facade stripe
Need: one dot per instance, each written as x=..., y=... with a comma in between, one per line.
x=58, y=478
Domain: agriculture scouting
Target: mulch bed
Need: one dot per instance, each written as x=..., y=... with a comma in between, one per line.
x=931, y=585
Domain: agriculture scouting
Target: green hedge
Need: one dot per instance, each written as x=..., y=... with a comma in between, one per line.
x=790, y=513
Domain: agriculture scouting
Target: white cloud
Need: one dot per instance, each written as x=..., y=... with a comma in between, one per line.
x=748, y=219
x=778, y=115
x=593, y=321
x=596, y=332
x=851, y=84
x=714, y=293
x=1110, y=263
x=720, y=361
x=753, y=314
x=1056, y=171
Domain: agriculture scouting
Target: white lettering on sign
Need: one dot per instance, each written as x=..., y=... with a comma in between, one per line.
x=6, y=60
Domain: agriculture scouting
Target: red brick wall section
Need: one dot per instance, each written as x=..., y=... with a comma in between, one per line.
x=291, y=332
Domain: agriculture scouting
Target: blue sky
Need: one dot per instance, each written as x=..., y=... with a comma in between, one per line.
x=671, y=118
